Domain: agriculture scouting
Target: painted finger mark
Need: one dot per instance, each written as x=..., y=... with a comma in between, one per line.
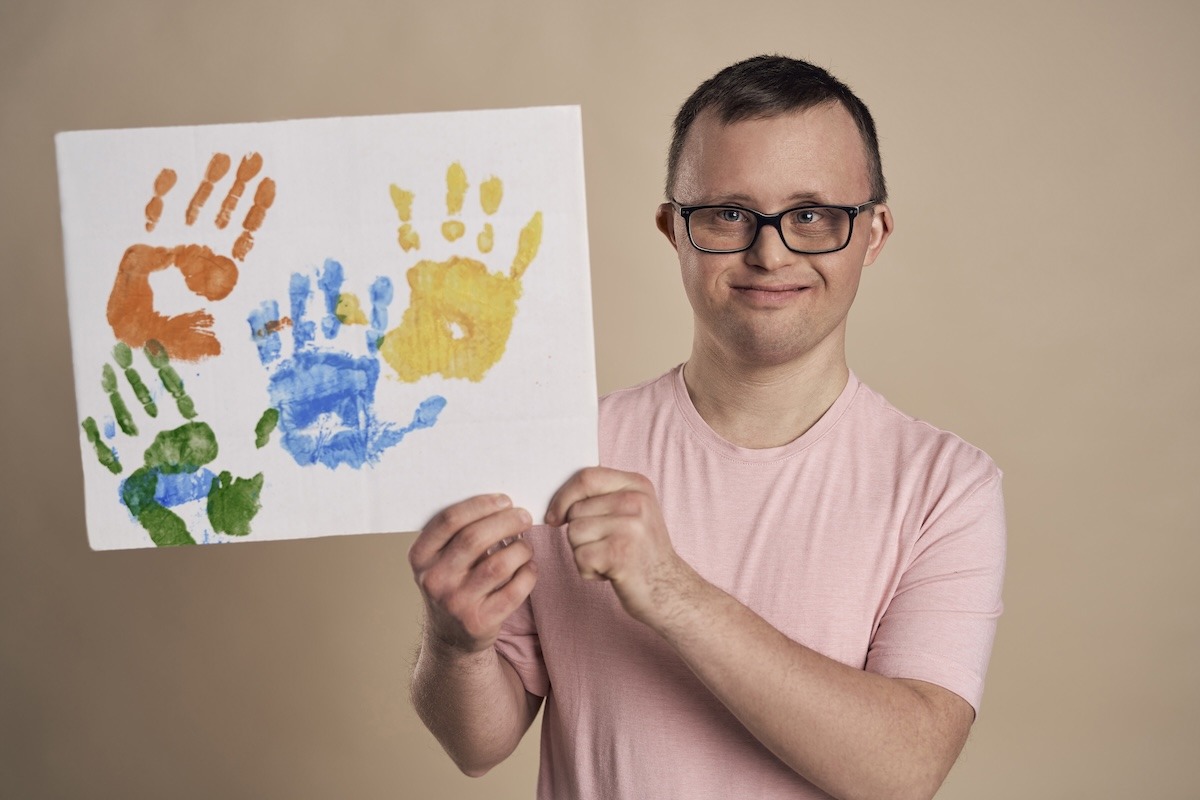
x=426, y=414
x=405, y=235
x=124, y=358
x=527, y=246
x=456, y=190
x=491, y=192
x=156, y=354
x=349, y=310
x=330, y=279
x=106, y=455
x=217, y=167
x=246, y=172
x=486, y=238
x=381, y=297
x=264, y=197
x=402, y=200
x=265, y=427
x=162, y=184
x=303, y=330
x=265, y=324
x=108, y=382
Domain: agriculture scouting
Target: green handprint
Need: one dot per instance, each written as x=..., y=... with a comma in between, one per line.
x=174, y=465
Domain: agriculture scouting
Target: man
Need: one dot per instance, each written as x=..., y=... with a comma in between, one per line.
x=789, y=588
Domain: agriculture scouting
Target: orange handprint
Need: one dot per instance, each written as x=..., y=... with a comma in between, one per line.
x=187, y=336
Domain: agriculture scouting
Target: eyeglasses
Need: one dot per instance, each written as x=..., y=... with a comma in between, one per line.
x=810, y=230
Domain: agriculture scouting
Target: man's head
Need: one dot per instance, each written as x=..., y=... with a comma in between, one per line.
x=767, y=86
x=771, y=148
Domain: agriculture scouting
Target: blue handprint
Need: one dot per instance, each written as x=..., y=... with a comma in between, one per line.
x=323, y=399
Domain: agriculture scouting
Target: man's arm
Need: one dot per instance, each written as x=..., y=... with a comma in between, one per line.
x=472, y=578
x=853, y=733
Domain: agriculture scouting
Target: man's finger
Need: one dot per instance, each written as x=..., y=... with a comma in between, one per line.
x=474, y=542
x=594, y=560
x=495, y=570
x=589, y=482
x=449, y=521
x=590, y=529
x=619, y=503
x=501, y=603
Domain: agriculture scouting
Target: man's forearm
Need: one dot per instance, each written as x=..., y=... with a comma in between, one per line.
x=853, y=733
x=474, y=704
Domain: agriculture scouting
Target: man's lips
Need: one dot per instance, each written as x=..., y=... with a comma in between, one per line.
x=783, y=288
x=773, y=289
x=770, y=295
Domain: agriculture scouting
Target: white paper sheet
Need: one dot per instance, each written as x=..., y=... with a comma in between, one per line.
x=342, y=399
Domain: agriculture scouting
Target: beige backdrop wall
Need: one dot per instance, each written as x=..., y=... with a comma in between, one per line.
x=1039, y=297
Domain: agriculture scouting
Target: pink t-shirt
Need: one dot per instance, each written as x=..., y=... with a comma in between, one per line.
x=875, y=539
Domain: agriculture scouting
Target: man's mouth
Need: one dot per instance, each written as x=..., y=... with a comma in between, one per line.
x=771, y=289
x=769, y=296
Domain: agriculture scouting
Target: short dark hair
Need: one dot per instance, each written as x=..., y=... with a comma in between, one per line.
x=766, y=86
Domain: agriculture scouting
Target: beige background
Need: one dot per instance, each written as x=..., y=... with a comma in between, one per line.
x=1039, y=298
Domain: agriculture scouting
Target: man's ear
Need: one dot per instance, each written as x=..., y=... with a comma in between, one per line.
x=881, y=228
x=664, y=218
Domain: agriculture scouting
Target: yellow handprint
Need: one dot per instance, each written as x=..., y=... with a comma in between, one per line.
x=460, y=315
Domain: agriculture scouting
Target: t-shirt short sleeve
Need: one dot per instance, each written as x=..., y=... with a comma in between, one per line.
x=519, y=645
x=941, y=621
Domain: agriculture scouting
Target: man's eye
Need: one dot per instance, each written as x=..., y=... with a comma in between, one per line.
x=805, y=216
x=730, y=215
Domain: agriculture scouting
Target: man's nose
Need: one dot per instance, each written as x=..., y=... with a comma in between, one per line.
x=768, y=251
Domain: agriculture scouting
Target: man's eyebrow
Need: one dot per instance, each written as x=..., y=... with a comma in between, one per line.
x=792, y=200
x=807, y=197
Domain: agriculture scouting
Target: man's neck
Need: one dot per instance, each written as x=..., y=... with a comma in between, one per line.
x=759, y=406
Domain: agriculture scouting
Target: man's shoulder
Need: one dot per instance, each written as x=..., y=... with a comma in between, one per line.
x=630, y=419
x=882, y=425
x=647, y=394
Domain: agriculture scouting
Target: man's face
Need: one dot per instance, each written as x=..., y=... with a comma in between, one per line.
x=767, y=305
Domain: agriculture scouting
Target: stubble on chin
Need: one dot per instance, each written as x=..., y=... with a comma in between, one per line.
x=753, y=343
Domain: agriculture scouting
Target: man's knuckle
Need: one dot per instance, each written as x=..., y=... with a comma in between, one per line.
x=432, y=584
x=522, y=552
x=450, y=518
x=491, y=569
x=472, y=539
x=588, y=558
x=629, y=504
x=644, y=486
x=589, y=478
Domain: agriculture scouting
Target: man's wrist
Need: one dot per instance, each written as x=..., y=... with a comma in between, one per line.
x=673, y=597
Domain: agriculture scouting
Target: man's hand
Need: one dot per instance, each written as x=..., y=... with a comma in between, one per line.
x=473, y=570
x=616, y=530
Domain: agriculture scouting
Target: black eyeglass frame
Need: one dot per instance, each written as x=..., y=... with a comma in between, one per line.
x=772, y=220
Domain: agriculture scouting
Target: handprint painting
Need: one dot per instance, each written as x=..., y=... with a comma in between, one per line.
x=323, y=327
